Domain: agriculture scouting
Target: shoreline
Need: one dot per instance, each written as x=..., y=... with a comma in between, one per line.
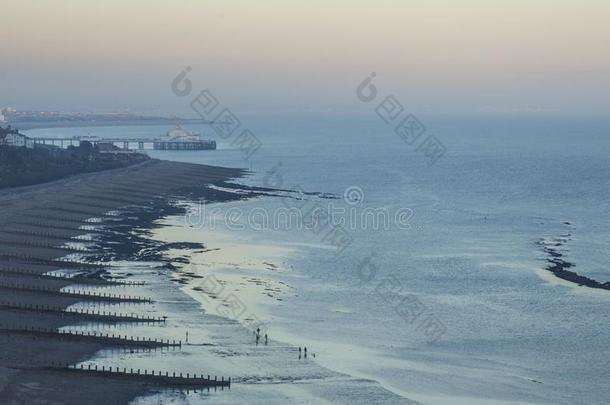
x=250, y=277
x=55, y=212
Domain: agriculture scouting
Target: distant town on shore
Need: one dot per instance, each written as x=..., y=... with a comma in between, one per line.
x=24, y=162
x=26, y=119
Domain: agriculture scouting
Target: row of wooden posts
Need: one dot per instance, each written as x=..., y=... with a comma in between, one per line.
x=88, y=334
x=49, y=222
x=74, y=279
x=139, y=372
x=162, y=377
x=60, y=262
x=56, y=225
x=40, y=234
x=77, y=211
x=99, y=282
x=85, y=312
x=76, y=293
x=47, y=246
x=74, y=219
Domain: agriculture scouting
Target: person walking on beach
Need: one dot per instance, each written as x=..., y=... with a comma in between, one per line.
x=187, y=336
x=265, y=339
x=305, y=352
x=299, y=352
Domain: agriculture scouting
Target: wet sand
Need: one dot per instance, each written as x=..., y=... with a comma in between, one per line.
x=43, y=223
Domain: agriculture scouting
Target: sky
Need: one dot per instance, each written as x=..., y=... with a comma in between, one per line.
x=283, y=56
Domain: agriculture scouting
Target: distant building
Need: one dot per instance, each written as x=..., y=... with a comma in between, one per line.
x=11, y=137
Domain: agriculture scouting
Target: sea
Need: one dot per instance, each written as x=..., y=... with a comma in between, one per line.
x=410, y=267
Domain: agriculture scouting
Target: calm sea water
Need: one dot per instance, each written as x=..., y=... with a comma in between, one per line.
x=465, y=261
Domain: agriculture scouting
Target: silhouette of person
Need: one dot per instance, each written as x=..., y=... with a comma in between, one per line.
x=305, y=352
x=265, y=339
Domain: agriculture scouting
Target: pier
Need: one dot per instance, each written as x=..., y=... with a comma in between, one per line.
x=126, y=143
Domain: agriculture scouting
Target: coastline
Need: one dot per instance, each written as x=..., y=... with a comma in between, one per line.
x=37, y=222
x=28, y=125
x=123, y=250
x=52, y=308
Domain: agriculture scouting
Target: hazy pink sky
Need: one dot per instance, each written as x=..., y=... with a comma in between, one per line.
x=435, y=56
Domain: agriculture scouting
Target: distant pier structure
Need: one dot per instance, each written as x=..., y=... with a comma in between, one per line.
x=176, y=139
x=182, y=145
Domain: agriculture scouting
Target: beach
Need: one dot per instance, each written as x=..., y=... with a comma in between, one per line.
x=102, y=286
x=41, y=224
